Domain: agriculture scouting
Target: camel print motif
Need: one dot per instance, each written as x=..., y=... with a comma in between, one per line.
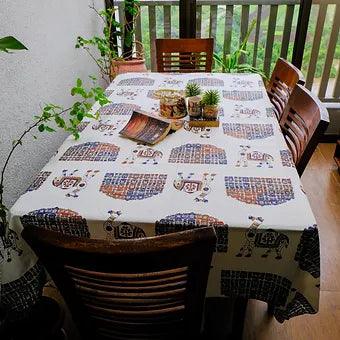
x=132, y=186
x=128, y=94
x=91, y=151
x=240, y=82
x=72, y=182
x=203, y=132
x=65, y=221
x=259, y=158
x=107, y=127
x=186, y=221
x=144, y=155
x=198, y=154
x=39, y=181
x=259, y=190
x=120, y=230
x=241, y=111
x=248, y=131
x=9, y=245
x=267, y=239
x=189, y=185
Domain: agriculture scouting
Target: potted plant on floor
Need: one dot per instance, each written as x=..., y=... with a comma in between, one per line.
x=117, y=49
x=210, y=101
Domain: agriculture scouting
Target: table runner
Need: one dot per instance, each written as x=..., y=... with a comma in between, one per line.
x=238, y=178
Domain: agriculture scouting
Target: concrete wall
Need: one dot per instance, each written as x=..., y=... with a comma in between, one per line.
x=44, y=73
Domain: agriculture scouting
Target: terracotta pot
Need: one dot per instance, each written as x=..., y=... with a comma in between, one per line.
x=210, y=112
x=124, y=66
x=194, y=106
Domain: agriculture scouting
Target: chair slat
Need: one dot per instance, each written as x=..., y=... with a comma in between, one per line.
x=303, y=122
x=184, y=55
x=151, y=288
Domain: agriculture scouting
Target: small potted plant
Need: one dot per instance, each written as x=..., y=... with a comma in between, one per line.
x=210, y=101
x=193, y=94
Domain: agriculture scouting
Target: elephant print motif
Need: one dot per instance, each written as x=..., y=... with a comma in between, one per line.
x=241, y=111
x=204, y=132
x=8, y=244
x=106, y=127
x=268, y=239
x=260, y=158
x=70, y=181
x=115, y=230
x=144, y=155
x=190, y=185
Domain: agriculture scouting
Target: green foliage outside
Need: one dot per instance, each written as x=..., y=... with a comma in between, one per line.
x=219, y=38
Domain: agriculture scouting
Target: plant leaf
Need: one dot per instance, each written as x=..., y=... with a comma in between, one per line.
x=11, y=43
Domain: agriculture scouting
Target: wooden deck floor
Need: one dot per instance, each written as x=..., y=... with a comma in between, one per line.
x=321, y=182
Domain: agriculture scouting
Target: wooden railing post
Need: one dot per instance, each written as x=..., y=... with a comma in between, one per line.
x=301, y=32
x=187, y=18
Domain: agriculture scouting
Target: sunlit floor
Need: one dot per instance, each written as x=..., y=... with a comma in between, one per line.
x=321, y=182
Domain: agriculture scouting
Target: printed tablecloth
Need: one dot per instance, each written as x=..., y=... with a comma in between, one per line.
x=238, y=177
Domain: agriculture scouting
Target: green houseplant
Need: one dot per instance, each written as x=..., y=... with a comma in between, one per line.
x=50, y=118
x=193, y=94
x=210, y=101
x=231, y=63
x=116, y=47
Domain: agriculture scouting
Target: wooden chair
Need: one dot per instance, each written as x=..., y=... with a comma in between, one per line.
x=184, y=55
x=151, y=288
x=281, y=84
x=303, y=122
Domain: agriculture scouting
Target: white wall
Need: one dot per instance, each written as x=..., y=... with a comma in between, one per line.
x=44, y=73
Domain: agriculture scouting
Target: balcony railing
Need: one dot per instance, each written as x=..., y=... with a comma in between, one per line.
x=273, y=36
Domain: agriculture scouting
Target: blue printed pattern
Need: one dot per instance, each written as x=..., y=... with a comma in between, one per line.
x=198, y=154
x=129, y=186
x=185, y=221
x=65, y=221
x=286, y=158
x=38, y=182
x=118, y=109
x=243, y=95
x=248, y=131
x=136, y=82
x=258, y=190
x=91, y=151
x=211, y=81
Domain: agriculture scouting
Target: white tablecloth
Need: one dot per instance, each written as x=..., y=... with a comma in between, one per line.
x=238, y=178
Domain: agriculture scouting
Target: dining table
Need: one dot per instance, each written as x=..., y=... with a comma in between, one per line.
x=238, y=177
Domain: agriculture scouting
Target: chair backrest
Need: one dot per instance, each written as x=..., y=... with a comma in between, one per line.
x=303, y=122
x=281, y=84
x=151, y=288
x=184, y=55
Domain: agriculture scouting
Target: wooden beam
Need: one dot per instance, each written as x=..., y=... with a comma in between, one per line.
x=187, y=18
x=301, y=32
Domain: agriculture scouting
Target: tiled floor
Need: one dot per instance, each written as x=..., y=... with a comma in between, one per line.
x=321, y=182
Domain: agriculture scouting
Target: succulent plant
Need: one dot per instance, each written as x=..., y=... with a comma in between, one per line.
x=211, y=97
x=192, y=89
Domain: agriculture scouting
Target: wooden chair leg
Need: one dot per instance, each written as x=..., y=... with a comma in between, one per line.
x=239, y=314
